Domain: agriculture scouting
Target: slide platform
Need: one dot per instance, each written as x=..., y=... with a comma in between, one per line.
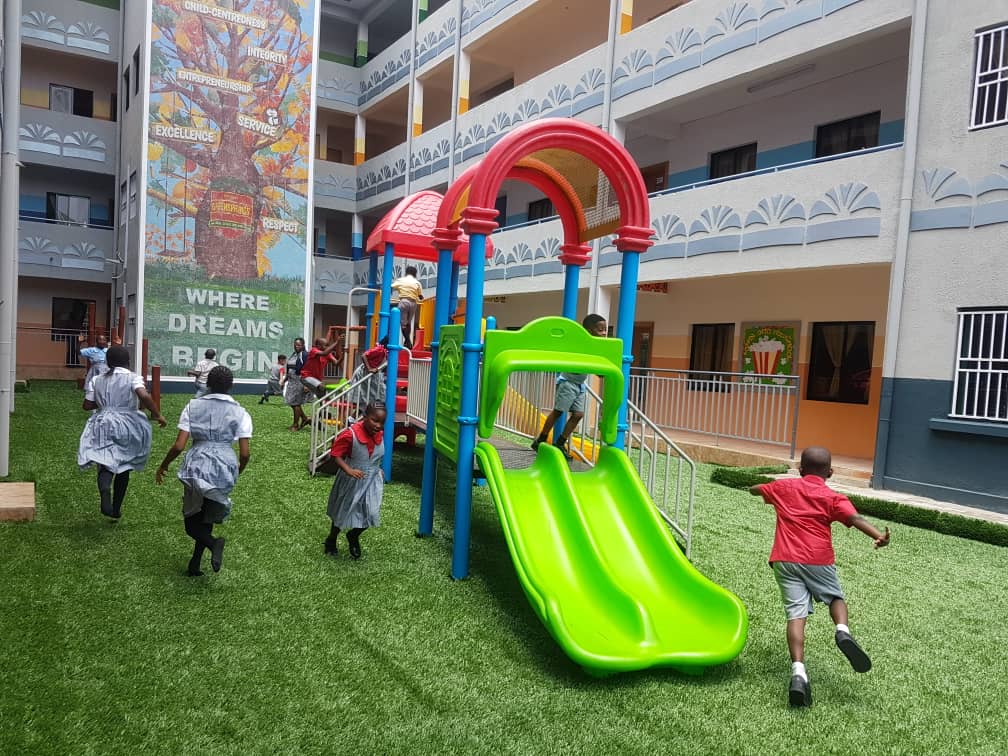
x=602, y=570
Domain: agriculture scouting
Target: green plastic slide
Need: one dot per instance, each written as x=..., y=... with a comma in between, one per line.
x=602, y=570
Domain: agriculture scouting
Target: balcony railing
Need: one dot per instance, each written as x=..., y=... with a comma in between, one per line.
x=42, y=347
x=67, y=141
x=77, y=247
x=76, y=28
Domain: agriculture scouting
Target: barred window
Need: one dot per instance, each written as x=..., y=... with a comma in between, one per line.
x=990, y=86
x=981, y=376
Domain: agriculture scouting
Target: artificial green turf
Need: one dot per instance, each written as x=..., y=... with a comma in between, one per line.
x=107, y=648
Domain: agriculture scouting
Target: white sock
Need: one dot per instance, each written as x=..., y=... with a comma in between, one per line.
x=798, y=668
x=842, y=628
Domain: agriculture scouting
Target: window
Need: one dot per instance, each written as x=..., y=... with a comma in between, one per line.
x=136, y=71
x=711, y=350
x=654, y=176
x=981, y=376
x=540, y=208
x=840, y=362
x=68, y=208
x=133, y=195
x=64, y=99
x=501, y=206
x=122, y=202
x=70, y=314
x=858, y=133
x=990, y=85
x=126, y=89
x=730, y=162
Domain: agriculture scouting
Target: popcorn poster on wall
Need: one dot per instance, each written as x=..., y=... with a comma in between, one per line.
x=769, y=350
x=227, y=196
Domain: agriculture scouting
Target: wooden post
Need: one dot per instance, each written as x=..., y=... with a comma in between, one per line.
x=156, y=386
x=143, y=358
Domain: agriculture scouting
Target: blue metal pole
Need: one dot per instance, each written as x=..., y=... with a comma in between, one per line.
x=570, y=292
x=624, y=330
x=471, y=347
x=441, y=303
x=391, y=378
x=372, y=284
x=453, y=301
x=388, y=271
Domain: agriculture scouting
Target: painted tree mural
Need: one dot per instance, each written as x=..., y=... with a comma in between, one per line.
x=229, y=126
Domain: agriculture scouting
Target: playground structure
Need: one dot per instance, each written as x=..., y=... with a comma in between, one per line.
x=591, y=548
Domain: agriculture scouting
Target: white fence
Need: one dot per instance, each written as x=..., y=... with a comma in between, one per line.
x=741, y=406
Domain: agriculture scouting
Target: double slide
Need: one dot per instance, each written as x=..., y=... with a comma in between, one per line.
x=602, y=570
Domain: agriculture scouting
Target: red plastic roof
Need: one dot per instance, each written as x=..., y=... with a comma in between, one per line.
x=409, y=227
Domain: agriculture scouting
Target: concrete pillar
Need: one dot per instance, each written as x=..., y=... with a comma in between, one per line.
x=417, y=108
x=360, y=57
x=360, y=139
x=357, y=237
x=626, y=16
x=463, y=85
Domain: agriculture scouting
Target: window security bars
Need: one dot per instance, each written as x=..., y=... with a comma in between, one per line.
x=981, y=377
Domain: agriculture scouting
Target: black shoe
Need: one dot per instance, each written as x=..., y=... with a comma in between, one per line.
x=106, y=504
x=262, y=400
x=353, y=546
x=561, y=444
x=855, y=654
x=217, y=554
x=331, y=548
x=539, y=440
x=194, y=568
x=799, y=693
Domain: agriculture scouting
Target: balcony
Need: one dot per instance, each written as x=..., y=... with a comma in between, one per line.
x=704, y=43
x=62, y=140
x=338, y=86
x=71, y=27
x=335, y=186
x=834, y=211
x=50, y=249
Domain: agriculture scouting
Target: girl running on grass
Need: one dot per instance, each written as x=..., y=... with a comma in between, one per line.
x=355, y=498
x=116, y=438
x=210, y=469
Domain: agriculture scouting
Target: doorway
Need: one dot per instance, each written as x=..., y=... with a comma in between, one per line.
x=641, y=348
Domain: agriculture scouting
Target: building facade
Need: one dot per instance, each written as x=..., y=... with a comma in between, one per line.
x=829, y=186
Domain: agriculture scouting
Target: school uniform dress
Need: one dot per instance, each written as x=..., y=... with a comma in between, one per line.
x=210, y=469
x=96, y=357
x=118, y=435
x=357, y=503
x=294, y=391
x=371, y=390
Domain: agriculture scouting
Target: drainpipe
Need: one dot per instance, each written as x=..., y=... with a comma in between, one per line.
x=9, y=176
x=614, y=14
x=897, y=280
x=412, y=94
x=456, y=70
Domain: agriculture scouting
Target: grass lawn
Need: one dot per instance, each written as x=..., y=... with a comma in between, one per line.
x=107, y=647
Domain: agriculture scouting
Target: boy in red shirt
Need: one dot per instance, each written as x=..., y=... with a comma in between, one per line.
x=314, y=364
x=803, y=561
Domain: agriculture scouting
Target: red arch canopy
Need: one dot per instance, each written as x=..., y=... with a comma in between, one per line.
x=409, y=227
x=591, y=179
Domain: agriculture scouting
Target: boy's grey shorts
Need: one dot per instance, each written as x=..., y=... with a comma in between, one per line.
x=802, y=584
x=569, y=397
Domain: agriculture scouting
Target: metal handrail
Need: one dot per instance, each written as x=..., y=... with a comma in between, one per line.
x=323, y=430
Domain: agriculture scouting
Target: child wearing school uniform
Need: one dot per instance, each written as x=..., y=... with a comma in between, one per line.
x=95, y=355
x=210, y=470
x=804, y=563
x=355, y=498
x=116, y=438
x=273, y=380
x=370, y=379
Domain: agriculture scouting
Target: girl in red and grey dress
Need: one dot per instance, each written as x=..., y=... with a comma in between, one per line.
x=355, y=498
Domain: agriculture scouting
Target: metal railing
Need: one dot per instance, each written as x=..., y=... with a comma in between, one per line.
x=50, y=347
x=417, y=397
x=740, y=406
x=668, y=474
x=333, y=412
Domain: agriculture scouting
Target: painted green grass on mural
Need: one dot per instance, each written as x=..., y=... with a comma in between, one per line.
x=167, y=294
x=108, y=648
